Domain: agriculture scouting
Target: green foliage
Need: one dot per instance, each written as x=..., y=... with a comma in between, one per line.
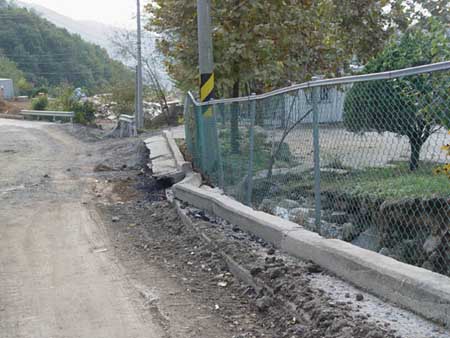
x=49, y=56
x=9, y=69
x=405, y=106
x=123, y=93
x=84, y=112
x=260, y=44
x=40, y=90
x=391, y=183
x=65, y=101
x=40, y=103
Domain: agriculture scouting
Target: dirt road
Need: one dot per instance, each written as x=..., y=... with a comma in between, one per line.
x=59, y=277
x=55, y=280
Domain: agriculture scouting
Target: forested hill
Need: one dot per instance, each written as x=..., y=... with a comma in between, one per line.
x=49, y=56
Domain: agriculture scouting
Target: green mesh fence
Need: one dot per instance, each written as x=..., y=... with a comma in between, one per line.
x=360, y=159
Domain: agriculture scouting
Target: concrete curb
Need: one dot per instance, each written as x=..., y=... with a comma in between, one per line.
x=421, y=291
x=182, y=165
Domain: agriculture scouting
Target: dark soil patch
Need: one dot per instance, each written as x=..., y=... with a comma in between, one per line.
x=286, y=307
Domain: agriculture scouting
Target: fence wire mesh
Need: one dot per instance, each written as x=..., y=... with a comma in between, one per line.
x=362, y=161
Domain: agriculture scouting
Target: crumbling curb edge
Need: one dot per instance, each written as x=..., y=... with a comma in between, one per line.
x=181, y=164
x=421, y=291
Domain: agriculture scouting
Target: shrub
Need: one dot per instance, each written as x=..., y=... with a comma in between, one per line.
x=40, y=103
x=38, y=91
x=84, y=112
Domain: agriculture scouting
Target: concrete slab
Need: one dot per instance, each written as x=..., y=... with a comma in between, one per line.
x=162, y=162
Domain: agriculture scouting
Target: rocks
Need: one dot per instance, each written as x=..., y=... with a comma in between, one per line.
x=301, y=215
x=348, y=232
x=359, y=297
x=268, y=205
x=281, y=212
x=255, y=271
x=314, y=268
x=271, y=252
x=276, y=273
x=102, y=168
x=115, y=219
x=432, y=243
x=289, y=204
x=264, y=303
x=369, y=239
x=385, y=252
x=339, y=217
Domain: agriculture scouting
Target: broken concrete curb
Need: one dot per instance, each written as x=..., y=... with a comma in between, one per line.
x=419, y=290
x=181, y=164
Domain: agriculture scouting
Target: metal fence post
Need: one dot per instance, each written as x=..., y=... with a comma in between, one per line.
x=217, y=149
x=251, y=150
x=200, y=130
x=316, y=144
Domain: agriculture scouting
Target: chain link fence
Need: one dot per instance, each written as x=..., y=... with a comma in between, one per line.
x=353, y=158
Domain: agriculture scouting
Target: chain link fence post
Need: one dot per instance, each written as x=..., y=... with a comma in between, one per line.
x=315, y=95
x=251, y=150
x=217, y=147
x=200, y=136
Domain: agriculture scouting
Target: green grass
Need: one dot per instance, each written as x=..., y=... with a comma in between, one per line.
x=394, y=182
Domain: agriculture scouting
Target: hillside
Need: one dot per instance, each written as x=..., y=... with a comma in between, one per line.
x=91, y=31
x=49, y=55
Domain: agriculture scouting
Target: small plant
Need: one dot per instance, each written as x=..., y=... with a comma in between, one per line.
x=40, y=103
x=445, y=169
x=84, y=112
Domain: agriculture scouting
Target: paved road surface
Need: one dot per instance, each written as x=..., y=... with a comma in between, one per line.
x=56, y=280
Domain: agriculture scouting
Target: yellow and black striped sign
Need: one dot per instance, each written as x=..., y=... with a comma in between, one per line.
x=207, y=91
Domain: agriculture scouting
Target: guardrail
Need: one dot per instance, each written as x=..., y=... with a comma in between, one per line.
x=45, y=113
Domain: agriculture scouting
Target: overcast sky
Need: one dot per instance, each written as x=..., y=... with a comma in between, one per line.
x=111, y=12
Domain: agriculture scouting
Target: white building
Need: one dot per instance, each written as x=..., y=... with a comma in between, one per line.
x=6, y=89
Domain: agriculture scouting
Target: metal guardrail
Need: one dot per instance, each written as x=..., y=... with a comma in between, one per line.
x=47, y=113
x=54, y=114
x=440, y=66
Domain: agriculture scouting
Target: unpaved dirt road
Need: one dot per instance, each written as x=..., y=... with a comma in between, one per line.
x=55, y=280
x=59, y=275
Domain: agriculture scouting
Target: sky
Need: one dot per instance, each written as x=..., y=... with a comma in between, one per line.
x=112, y=12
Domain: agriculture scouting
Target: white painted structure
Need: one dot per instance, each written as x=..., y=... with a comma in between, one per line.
x=6, y=89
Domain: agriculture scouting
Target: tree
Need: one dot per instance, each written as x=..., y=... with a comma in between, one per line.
x=8, y=69
x=413, y=106
x=261, y=45
x=125, y=46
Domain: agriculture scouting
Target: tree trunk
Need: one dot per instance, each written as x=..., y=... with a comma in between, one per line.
x=234, y=131
x=416, y=145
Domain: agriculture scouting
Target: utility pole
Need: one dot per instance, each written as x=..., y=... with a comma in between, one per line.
x=208, y=135
x=139, y=86
x=205, y=51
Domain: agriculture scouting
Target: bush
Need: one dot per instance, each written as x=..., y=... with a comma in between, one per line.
x=40, y=103
x=84, y=112
x=37, y=91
